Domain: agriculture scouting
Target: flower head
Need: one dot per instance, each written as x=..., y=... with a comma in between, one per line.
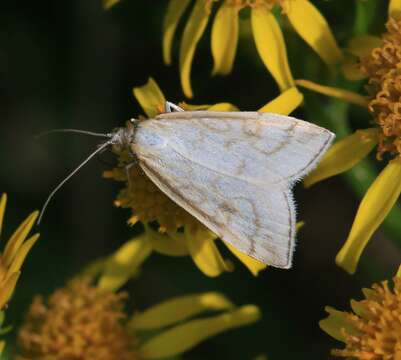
x=373, y=330
x=304, y=17
x=382, y=67
x=77, y=322
x=86, y=320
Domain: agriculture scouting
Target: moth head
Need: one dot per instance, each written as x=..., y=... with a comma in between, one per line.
x=123, y=137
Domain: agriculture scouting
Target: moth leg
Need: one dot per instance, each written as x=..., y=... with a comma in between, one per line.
x=127, y=169
x=170, y=107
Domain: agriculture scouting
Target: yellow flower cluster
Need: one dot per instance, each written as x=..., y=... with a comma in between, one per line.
x=86, y=319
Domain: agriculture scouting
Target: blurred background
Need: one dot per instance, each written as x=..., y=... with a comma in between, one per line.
x=70, y=64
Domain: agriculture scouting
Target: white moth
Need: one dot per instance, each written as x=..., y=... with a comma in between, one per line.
x=233, y=171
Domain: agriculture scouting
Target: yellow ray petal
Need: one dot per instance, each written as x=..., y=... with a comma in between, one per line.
x=193, y=31
x=21, y=254
x=285, y=103
x=394, y=9
x=252, y=264
x=335, y=322
x=271, y=47
x=171, y=245
x=363, y=45
x=398, y=273
x=184, y=337
x=150, y=97
x=344, y=155
x=2, y=345
x=107, y=4
x=346, y=95
x=178, y=309
x=224, y=106
x=18, y=238
x=376, y=204
x=205, y=254
x=225, y=38
x=175, y=9
x=8, y=288
x=124, y=263
x=314, y=29
x=3, y=203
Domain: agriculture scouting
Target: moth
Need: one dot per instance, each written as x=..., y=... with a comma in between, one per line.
x=233, y=171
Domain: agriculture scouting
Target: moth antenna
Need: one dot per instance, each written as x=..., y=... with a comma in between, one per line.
x=99, y=149
x=77, y=131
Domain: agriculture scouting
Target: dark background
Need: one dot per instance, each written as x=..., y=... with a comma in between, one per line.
x=70, y=64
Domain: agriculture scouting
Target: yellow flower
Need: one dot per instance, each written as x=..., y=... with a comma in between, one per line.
x=12, y=258
x=373, y=330
x=179, y=233
x=83, y=321
x=303, y=16
x=382, y=67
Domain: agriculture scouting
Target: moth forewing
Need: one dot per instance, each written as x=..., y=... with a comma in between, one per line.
x=233, y=171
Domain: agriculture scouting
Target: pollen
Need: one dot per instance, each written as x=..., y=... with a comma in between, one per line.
x=77, y=322
x=146, y=201
x=383, y=67
x=377, y=326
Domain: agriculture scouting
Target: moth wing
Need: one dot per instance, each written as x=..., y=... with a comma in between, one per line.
x=268, y=148
x=258, y=220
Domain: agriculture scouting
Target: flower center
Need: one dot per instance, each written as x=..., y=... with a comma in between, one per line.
x=78, y=322
x=378, y=325
x=383, y=67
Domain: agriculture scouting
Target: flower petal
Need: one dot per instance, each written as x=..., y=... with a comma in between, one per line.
x=21, y=254
x=376, y=204
x=3, y=203
x=335, y=322
x=107, y=4
x=184, y=337
x=174, y=12
x=193, y=31
x=7, y=289
x=394, y=9
x=150, y=97
x=124, y=263
x=285, y=103
x=178, y=309
x=270, y=45
x=224, y=106
x=171, y=244
x=205, y=254
x=252, y=264
x=346, y=95
x=344, y=155
x=310, y=24
x=18, y=238
x=2, y=345
x=225, y=38
x=363, y=45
